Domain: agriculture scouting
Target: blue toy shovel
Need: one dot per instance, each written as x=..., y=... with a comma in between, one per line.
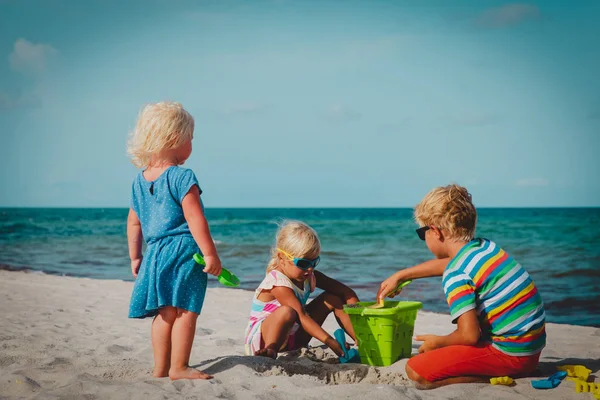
x=350, y=356
x=550, y=382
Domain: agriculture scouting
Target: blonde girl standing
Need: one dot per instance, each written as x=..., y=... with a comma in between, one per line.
x=167, y=212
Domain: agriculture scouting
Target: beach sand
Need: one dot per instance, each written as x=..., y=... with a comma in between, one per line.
x=63, y=337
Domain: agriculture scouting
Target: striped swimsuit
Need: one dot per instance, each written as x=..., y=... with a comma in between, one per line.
x=510, y=310
x=261, y=310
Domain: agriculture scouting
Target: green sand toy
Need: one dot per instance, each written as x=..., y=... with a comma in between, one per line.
x=384, y=335
x=381, y=301
x=226, y=278
x=400, y=286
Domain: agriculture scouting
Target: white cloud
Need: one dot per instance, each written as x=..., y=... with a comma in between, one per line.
x=25, y=100
x=31, y=58
x=509, y=14
x=532, y=182
x=340, y=112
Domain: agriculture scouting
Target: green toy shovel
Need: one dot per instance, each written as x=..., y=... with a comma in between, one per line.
x=380, y=302
x=226, y=278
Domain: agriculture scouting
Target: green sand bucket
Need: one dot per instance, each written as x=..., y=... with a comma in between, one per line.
x=384, y=334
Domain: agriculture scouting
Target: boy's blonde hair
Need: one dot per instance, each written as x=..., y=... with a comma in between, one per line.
x=160, y=126
x=449, y=208
x=297, y=239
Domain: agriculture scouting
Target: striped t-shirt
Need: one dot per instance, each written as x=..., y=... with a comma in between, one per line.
x=510, y=310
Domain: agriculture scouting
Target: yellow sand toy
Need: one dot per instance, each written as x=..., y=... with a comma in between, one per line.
x=502, y=380
x=585, y=387
x=580, y=374
x=577, y=371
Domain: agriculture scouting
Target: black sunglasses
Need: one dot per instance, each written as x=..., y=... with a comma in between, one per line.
x=421, y=231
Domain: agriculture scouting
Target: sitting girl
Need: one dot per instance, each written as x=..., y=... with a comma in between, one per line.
x=280, y=319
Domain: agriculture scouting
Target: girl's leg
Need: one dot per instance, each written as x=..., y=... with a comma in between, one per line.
x=275, y=330
x=319, y=309
x=161, y=340
x=182, y=338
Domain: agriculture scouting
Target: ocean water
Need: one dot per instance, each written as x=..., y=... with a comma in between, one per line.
x=560, y=248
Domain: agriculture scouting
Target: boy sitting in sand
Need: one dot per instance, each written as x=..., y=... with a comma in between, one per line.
x=498, y=311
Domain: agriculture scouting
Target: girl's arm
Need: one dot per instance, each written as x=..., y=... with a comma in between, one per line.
x=427, y=269
x=134, y=241
x=194, y=215
x=286, y=297
x=335, y=287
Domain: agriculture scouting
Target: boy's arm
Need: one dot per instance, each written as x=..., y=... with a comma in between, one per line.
x=134, y=241
x=286, y=297
x=194, y=215
x=427, y=269
x=335, y=287
x=467, y=333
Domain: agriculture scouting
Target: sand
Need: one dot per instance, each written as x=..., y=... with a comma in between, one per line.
x=63, y=337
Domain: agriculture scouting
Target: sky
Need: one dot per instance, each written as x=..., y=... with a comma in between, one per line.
x=306, y=103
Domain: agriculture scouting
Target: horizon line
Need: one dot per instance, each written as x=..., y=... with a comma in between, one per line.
x=292, y=207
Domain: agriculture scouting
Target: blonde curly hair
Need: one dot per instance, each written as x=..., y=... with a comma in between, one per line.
x=451, y=209
x=160, y=126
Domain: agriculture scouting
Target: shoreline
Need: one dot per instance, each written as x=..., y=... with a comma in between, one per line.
x=29, y=270
x=67, y=336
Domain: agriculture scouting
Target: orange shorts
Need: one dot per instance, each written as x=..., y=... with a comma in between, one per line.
x=479, y=360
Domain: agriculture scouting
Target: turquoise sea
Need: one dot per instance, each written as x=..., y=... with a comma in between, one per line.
x=560, y=247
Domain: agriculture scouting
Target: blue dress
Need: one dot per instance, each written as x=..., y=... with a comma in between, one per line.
x=168, y=275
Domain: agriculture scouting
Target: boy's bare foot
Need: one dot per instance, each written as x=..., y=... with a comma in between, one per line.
x=188, y=373
x=268, y=352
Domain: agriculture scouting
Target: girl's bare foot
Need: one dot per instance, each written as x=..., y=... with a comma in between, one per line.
x=160, y=372
x=268, y=352
x=187, y=373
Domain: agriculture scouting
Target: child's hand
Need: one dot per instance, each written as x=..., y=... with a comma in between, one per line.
x=335, y=346
x=388, y=287
x=135, y=266
x=268, y=352
x=430, y=342
x=213, y=265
